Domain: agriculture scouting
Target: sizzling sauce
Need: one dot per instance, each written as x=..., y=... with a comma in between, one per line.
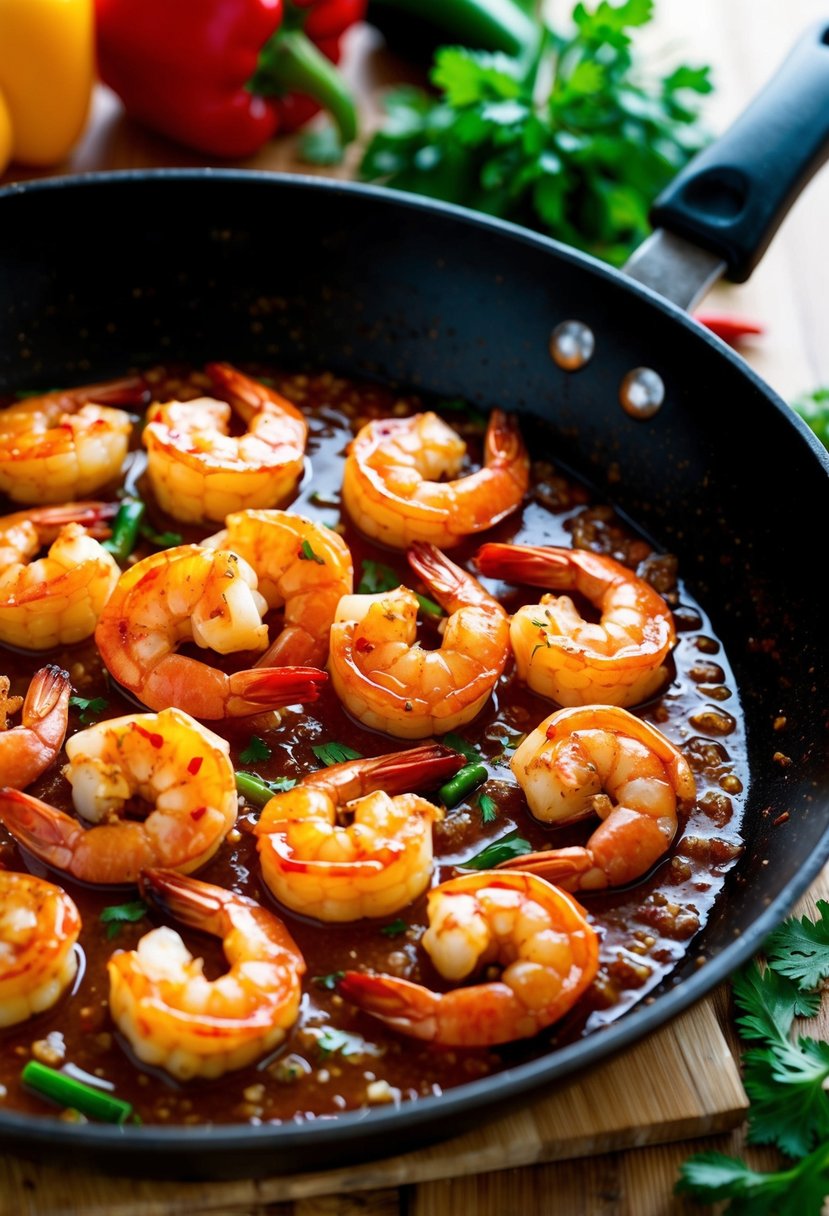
x=336, y=1058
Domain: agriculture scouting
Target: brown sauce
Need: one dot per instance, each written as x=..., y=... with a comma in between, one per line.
x=334, y=1057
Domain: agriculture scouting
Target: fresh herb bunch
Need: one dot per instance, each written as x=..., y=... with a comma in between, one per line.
x=575, y=142
x=813, y=408
x=785, y=1077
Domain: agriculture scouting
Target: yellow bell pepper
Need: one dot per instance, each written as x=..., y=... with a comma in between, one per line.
x=47, y=73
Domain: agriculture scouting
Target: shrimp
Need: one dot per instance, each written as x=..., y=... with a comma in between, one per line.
x=207, y=596
x=172, y=1015
x=299, y=564
x=198, y=471
x=66, y=444
x=27, y=750
x=166, y=765
x=602, y=760
x=537, y=934
x=39, y=926
x=381, y=861
x=619, y=661
x=54, y=600
x=401, y=479
x=389, y=682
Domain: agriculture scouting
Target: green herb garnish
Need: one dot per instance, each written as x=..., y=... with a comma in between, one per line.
x=75, y=1095
x=813, y=408
x=376, y=577
x=334, y=753
x=90, y=708
x=125, y=529
x=332, y=1040
x=394, y=928
x=488, y=808
x=257, y=791
x=428, y=606
x=307, y=554
x=459, y=744
x=163, y=540
x=330, y=981
x=257, y=749
x=504, y=849
x=116, y=915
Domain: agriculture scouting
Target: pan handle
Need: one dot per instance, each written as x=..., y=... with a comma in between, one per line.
x=730, y=200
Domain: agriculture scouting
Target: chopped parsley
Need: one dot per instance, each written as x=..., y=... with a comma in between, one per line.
x=90, y=708
x=257, y=749
x=116, y=915
x=334, y=753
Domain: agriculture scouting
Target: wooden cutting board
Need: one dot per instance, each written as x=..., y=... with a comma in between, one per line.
x=681, y=1082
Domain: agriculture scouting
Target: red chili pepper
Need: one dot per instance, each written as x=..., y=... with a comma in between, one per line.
x=730, y=329
x=223, y=76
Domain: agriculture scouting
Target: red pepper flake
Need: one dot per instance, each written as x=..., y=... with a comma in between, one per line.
x=784, y=818
x=363, y=645
x=195, y=764
x=199, y=811
x=155, y=740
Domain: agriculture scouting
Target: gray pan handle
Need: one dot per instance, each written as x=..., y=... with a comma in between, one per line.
x=718, y=215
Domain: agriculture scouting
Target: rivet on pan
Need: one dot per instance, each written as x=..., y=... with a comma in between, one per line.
x=642, y=393
x=572, y=345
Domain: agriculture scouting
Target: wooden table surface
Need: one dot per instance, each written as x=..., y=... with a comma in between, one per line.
x=743, y=40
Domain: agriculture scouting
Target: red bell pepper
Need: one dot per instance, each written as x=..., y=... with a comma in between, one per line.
x=223, y=76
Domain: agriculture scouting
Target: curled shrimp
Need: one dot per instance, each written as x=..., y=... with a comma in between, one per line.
x=177, y=1019
x=206, y=596
x=301, y=566
x=66, y=444
x=401, y=479
x=374, y=863
x=39, y=926
x=54, y=600
x=620, y=660
x=602, y=760
x=391, y=683
x=198, y=471
x=27, y=750
x=167, y=765
x=537, y=934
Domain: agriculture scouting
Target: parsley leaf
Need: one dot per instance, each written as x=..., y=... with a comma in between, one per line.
x=508, y=846
x=329, y=981
x=394, y=928
x=307, y=554
x=90, y=709
x=334, y=753
x=257, y=749
x=576, y=142
x=459, y=744
x=813, y=408
x=799, y=949
x=488, y=808
x=376, y=578
x=116, y=915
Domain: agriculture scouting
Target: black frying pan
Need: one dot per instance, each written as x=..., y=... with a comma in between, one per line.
x=108, y=271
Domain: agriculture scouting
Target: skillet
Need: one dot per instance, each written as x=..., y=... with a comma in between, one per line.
x=110, y=270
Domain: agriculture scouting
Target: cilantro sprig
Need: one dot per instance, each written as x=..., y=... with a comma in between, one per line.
x=786, y=1076
x=576, y=143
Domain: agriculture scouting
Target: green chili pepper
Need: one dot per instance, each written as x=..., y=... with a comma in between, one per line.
x=465, y=780
x=125, y=529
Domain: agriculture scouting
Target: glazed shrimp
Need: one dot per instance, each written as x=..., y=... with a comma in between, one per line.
x=177, y=1019
x=300, y=565
x=389, y=682
x=401, y=479
x=167, y=764
x=206, y=596
x=39, y=926
x=66, y=444
x=537, y=934
x=54, y=600
x=602, y=760
x=620, y=660
x=199, y=471
x=375, y=863
x=27, y=750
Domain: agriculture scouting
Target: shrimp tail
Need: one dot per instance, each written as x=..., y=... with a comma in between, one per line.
x=48, y=692
x=261, y=688
x=90, y=514
x=423, y=767
x=186, y=899
x=452, y=586
x=532, y=564
x=408, y=1007
x=129, y=390
x=503, y=444
x=562, y=867
x=40, y=828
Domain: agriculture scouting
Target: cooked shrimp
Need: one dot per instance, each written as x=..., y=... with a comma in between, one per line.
x=617, y=661
x=391, y=683
x=300, y=565
x=539, y=936
x=54, y=600
x=206, y=596
x=68, y=443
x=602, y=760
x=377, y=861
x=166, y=765
x=401, y=481
x=39, y=925
x=177, y=1019
x=27, y=750
x=199, y=471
